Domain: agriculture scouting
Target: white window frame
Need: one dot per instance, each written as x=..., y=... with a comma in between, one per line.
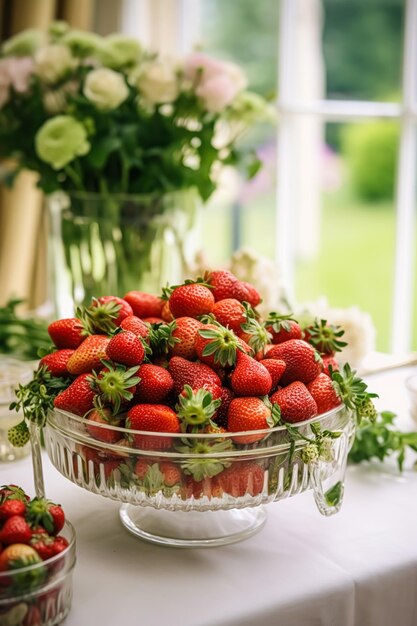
x=290, y=109
x=173, y=26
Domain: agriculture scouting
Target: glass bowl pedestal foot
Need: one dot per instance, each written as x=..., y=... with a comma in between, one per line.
x=192, y=529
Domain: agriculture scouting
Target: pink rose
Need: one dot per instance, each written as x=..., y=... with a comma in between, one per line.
x=217, y=83
x=200, y=65
x=14, y=72
x=216, y=93
x=20, y=70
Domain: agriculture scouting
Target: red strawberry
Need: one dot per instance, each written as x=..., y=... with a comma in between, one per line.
x=189, y=373
x=59, y=544
x=250, y=414
x=124, y=311
x=296, y=402
x=276, y=368
x=11, y=507
x=253, y=295
x=303, y=361
x=170, y=472
x=15, y=530
x=103, y=417
x=323, y=392
x=42, y=543
x=166, y=312
x=18, y=555
x=223, y=283
x=47, y=514
x=66, y=333
x=283, y=328
x=250, y=377
x=144, y=304
x=207, y=487
x=245, y=292
x=226, y=396
x=142, y=466
x=329, y=361
x=88, y=355
x=155, y=384
x=56, y=362
x=152, y=418
x=109, y=467
x=191, y=300
x=126, y=348
x=77, y=398
x=242, y=478
x=230, y=312
x=153, y=320
x=135, y=325
x=185, y=331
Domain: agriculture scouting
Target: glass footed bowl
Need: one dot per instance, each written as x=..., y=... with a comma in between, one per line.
x=165, y=481
x=39, y=594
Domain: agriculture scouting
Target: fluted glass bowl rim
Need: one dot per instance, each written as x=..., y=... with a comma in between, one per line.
x=255, y=448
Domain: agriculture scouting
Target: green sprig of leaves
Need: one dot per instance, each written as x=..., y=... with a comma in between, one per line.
x=34, y=399
x=380, y=439
x=22, y=336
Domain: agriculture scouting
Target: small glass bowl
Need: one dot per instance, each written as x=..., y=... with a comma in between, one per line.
x=12, y=372
x=160, y=477
x=39, y=594
x=411, y=386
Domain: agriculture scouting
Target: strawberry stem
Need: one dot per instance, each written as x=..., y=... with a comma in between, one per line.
x=352, y=391
x=99, y=317
x=325, y=337
x=207, y=466
x=114, y=384
x=223, y=345
x=196, y=408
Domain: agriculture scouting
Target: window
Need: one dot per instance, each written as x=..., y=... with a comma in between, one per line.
x=346, y=77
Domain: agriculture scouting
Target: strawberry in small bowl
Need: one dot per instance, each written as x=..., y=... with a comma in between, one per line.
x=37, y=557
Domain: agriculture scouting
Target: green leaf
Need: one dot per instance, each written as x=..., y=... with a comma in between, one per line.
x=379, y=439
x=101, y=150
x=334, y=494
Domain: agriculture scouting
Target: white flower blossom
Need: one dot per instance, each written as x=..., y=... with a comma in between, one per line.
x=53, y=62
x=105, y=88
x=360, y=333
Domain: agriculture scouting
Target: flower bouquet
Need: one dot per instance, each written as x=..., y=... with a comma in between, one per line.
x=134, y=140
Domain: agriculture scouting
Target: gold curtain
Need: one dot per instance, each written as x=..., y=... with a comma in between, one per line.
x=22, y=229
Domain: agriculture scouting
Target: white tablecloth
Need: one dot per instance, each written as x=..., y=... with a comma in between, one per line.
x=358, y=568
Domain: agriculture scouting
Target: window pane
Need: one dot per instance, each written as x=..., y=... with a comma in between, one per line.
x=362, y=46
x=353, y=264
x=243, y=212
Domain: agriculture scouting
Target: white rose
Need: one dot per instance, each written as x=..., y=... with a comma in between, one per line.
x=157, y=82
x=105, y=88
x=53, y=62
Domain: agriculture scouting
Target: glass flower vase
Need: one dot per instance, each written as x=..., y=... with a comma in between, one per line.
x=111, y=244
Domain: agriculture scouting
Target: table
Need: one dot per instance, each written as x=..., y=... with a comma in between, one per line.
x=358, y=568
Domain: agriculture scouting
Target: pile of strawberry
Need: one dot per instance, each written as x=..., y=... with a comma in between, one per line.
x=197, y=360
x=29, y=535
